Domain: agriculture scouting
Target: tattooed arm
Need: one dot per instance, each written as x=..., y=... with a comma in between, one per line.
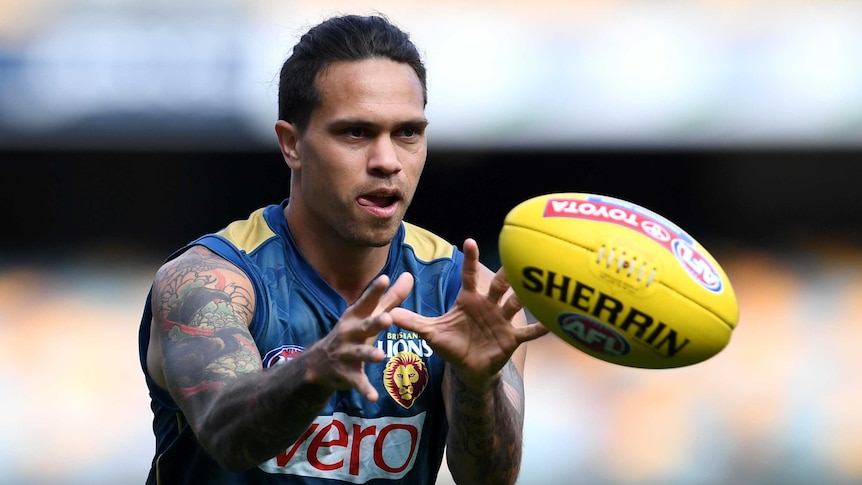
x=486, y=422
x=480, y=339
x=485, y=428
x=202, y=352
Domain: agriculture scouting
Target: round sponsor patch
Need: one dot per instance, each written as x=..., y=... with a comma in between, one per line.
x=280, y=355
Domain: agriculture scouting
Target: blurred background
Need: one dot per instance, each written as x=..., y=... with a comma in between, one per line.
x=129, y=128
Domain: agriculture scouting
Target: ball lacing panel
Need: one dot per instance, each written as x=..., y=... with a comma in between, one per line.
x=645, y=273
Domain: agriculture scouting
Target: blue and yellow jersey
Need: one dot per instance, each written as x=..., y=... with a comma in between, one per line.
x=398, y=439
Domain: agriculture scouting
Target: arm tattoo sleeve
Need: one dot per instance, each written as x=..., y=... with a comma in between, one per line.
x=486, y=429
x=203, y=315
x=203, y=306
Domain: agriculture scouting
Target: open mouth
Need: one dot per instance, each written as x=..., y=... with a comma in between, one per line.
x=377, y=200
x=381, y=203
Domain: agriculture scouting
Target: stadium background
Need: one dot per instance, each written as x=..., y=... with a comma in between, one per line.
x=126, y=130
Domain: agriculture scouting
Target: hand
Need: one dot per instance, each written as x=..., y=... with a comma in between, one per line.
x=476, y=336
x=340, y=356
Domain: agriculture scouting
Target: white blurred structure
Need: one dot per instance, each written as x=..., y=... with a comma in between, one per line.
x=622, y=73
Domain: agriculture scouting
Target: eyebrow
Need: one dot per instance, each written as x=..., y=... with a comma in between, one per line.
x=361, y=122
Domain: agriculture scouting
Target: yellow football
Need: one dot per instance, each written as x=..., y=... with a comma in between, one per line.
x=617, y=281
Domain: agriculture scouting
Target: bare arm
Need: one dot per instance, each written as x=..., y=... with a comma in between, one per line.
x=208, y=361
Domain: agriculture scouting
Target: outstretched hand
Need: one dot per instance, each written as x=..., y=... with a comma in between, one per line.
x=340, y=356
x=476, y=336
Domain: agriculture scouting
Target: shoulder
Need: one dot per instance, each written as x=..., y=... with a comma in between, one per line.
x=250, y=233
x=197, y=275
x=433, y=261
x=426, y=245
x=196, y=259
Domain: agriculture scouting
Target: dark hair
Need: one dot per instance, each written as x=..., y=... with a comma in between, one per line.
x=347, y=38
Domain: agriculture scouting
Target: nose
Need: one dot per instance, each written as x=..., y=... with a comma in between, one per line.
x=383, y=156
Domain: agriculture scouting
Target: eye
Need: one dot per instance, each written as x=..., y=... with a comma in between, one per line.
x=411, y=131
x=356, y=132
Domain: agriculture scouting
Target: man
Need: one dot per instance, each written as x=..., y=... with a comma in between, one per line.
x=324, y=340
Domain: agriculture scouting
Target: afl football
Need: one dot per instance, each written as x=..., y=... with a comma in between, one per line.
x=617, y=281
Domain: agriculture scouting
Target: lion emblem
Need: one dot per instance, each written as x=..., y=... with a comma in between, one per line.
x=405, y=377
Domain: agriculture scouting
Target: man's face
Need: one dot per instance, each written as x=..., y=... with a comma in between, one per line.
x=363, y=151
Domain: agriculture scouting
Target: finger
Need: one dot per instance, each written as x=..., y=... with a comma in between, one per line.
x=512, y=306
x=530, y=332
x=370, y=393
x=409, y=321
x=470, y=271
x=364, y=387
x=397, y=293
x=371, y=327
x=499, y=286
x=369, y=299
x=357, y=353
x=359, y=380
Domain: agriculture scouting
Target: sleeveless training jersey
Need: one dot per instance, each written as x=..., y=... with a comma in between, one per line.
x=398, y=439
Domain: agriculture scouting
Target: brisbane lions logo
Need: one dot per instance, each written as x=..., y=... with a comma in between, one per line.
x=405, y=377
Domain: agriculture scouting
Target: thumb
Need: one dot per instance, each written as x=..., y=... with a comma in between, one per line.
x=408, y=320
x=397, y=293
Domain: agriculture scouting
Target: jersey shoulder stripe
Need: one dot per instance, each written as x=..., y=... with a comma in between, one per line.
x=248, y=234
x=426, y=245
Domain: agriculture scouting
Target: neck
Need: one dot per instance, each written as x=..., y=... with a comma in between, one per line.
x=347, y=267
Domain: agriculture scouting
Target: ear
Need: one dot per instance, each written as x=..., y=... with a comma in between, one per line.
x=288, y=141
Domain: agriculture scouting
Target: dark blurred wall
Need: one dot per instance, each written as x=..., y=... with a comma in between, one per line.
x=150, y=201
